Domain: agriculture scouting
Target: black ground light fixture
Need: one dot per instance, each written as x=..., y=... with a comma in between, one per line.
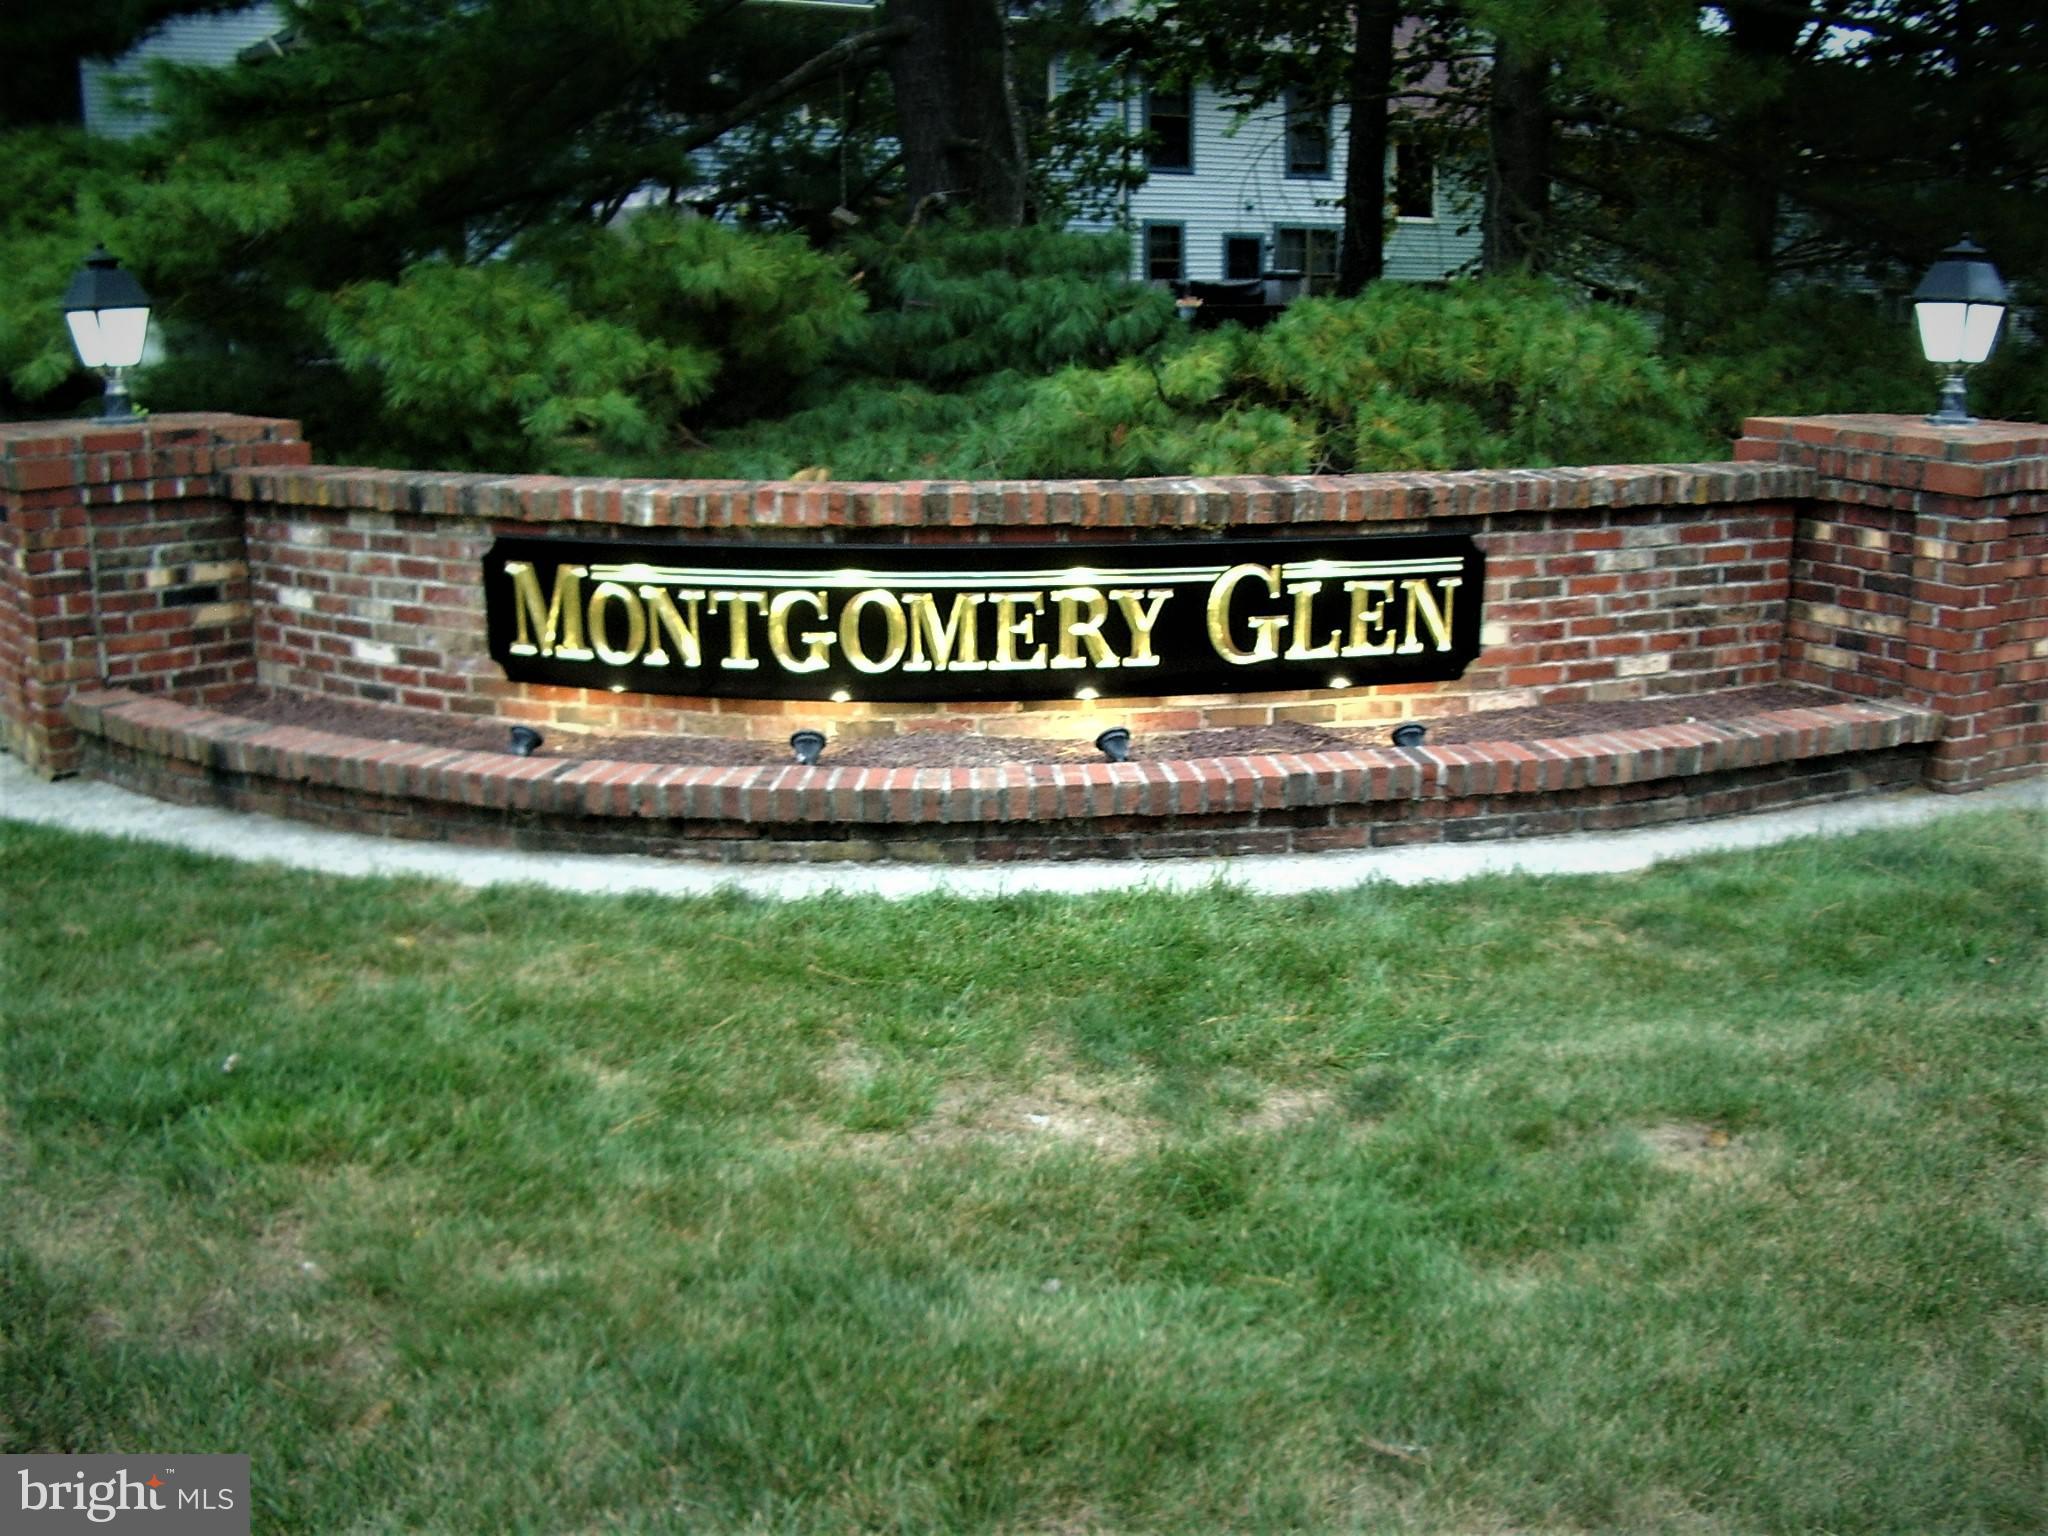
x=109, y=318
x=808, y=746
x=1959, y=306
x=1410, y=735
x=525, y=741
x=1115, y=744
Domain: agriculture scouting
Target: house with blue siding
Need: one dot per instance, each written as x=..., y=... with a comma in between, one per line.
x=1228, y=196
x=115, y=93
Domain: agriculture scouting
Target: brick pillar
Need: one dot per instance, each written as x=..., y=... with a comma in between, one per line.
x=121, y=562
x=1920, y=572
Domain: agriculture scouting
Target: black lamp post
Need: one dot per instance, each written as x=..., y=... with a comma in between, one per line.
x=1959, y=305
x=109, y=318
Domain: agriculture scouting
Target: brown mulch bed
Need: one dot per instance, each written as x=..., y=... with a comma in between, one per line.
x=946, y=749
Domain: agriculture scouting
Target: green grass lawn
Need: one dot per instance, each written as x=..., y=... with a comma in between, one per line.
x=1707, y=1199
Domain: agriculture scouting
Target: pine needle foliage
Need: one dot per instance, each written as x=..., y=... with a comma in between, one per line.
x=1480, y=373
x=590, y=340
x=1506, y=371
x=953, y=301
x=41, y=244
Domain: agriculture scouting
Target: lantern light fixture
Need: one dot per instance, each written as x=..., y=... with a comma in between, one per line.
x=109, y=318
x=1959, y=306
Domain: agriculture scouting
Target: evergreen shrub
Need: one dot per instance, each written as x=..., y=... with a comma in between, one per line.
x=1474, y=374
x=952, y=301
x=590, y=340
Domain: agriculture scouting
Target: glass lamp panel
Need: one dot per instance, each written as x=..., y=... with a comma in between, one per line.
x=85, y=336
x=1980, y=330
x=1941, y=331
x=122, y=334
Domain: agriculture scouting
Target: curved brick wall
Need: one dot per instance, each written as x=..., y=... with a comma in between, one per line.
x=1604, y=584
x=1902, y=567
x=1261, y=803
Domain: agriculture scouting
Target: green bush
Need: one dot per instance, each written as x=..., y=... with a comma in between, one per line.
x=591, y=341
x=1484, y=373
x=1478, y=373
x=1809, y=353
x=870, y=429
x=951, y=302
x=45, y=174
x=2013, y=385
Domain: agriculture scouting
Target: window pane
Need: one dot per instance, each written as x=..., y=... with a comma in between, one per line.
x=1240, y=257
x=1414, y=182
x=1162, y=252
x=1311, y=252
x=1322, y=260
x=1167, y=122
x=1308, y=138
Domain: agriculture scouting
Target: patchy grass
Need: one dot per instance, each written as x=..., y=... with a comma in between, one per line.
x=1702, y=1200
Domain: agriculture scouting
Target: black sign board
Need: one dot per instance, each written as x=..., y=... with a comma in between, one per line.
x=1002, y=621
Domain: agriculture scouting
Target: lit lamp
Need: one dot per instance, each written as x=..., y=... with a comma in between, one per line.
x=109, y=318
x=1959, y=305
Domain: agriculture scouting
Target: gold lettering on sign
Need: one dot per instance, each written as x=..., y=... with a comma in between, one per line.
x=818, y=642
x=1304, y=595
x=1422, y=601
x=739, y=640
x=1298, y=612
x=563, y=612
x=636, y=625
x=849, y=630
x=1266, y=626
x=1012, y=627
x=680, y=626
x=1369, y=601
x=1074, y=633
x=943, y=640
x=1141, y=617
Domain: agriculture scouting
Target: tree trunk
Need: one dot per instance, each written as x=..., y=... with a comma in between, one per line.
x=1518, y=160
x=1362, y=257
x=1764, y=37
x=953, y=113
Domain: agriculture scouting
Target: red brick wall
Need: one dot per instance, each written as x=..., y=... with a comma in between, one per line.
x=1922, y=575
x=120, y=561
x=1603, y=584
x=1870, y=555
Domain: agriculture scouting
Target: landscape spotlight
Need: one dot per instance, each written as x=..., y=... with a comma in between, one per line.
x=525, y=741
x=807, y=745
x=1959, y=305
x=1115, y=744
x=1410, y=735
x=109, y=318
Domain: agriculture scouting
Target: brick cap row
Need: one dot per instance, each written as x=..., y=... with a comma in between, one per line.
x=1983, y=442
x=174, y=429
x=791, y=795
x=1163, y=502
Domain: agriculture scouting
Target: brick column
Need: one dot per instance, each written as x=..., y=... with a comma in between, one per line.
x=121, y=562
x=1920, y=572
